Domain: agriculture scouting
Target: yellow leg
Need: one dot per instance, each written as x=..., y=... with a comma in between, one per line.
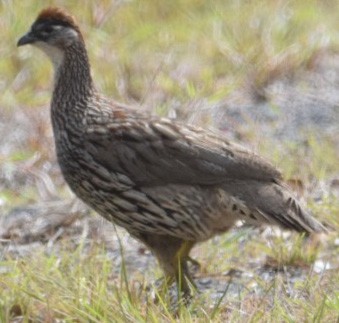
x=175, y=268
x=185, y=283
x=172, y=254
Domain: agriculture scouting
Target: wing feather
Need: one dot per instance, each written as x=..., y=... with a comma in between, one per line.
x=160, y=151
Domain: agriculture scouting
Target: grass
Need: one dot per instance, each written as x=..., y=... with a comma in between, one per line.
x=170, y=56
x=74, y=286
x=182, y=49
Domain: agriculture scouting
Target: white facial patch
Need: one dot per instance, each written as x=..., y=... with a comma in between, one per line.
x=55, y=54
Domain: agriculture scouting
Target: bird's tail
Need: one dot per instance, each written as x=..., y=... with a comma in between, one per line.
x=273, y=203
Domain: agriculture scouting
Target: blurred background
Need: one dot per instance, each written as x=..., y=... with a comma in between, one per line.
x=265, y=73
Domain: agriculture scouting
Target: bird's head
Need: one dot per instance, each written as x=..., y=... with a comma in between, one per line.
x=53, y=31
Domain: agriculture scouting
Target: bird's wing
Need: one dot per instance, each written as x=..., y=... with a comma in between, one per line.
x=154, y=151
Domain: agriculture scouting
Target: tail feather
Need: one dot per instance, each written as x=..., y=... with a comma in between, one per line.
x=275, y=204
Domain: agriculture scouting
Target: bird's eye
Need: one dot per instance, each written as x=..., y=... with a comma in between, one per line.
x=48, y=29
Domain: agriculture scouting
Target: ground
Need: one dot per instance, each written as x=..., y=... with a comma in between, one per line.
x=266, y=75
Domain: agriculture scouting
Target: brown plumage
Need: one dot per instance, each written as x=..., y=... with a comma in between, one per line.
x=170, y=185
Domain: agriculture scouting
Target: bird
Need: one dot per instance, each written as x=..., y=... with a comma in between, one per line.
x=171, y=185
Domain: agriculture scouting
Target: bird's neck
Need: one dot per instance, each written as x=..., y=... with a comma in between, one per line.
x=73, y=82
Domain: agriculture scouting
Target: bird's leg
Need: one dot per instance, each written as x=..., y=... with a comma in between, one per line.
x=185, y=282
x=176, y=270
x=172, y=254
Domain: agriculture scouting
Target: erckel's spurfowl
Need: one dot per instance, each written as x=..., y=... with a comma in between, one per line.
x=170, y=185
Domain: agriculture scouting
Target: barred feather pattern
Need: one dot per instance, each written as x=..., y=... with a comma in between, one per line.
x=155, y=175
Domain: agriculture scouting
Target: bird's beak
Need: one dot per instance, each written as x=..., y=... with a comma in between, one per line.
x=28, y=38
